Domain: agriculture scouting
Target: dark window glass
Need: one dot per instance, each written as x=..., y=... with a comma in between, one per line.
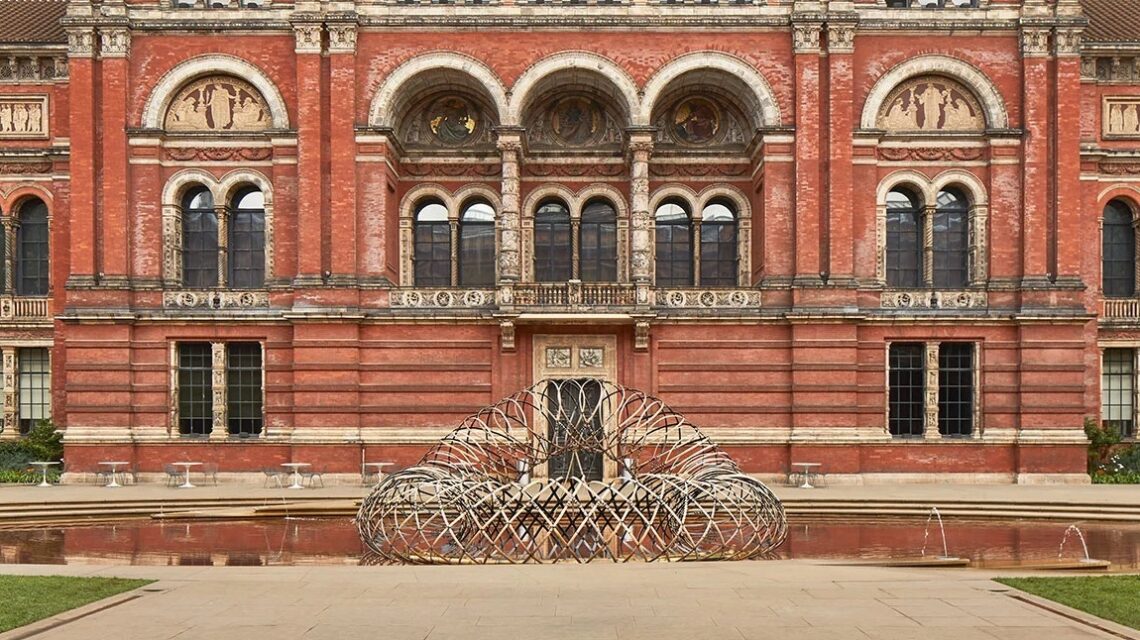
x=1118, y=270
x=907, y=385
x=951, y=241
x=552, y=242
x=199, y=240
x=244, y=388
x=477, y=245
x=1117, y=391
x=247, y=240
x=955, y=389
x=576, y=433
x=35, y=386
x=433, y=246
x=674, y=240
x=32, y=250
x=195, y=389
x=597, y=243
x=718, y=246
x=904, y=240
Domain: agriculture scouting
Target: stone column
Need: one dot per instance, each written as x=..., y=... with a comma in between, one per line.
x=641, y=221
x=8, y=428
x=928, y=244
x=930, y=403
x=223, y=214
x=10, y=225
x=220, y=428
x=510, y=239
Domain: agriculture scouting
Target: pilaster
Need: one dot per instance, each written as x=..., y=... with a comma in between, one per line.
x=838, y=214
x=641, y=252
x=808, y=240
x=1036, y=166
x=510, y=239
x=82, y=110
x=930, y=399
x=8, y=428
x=1070, y=233
x=219, y=429
x=310, y=154
x=114, y=49
x=342, y=150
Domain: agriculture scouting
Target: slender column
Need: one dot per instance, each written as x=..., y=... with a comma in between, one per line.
x=220, y=428
x=510, y=265
x=575, y=248
x=342, y=154
x=928, y=245
x=454, y=223
x=1069, y=233
x=807, y=151
x=931, y=400
x=9, y=428
x=82, y=108
x=1036, y=166
x=223, y=214
x=310, y=158
x=11, y=225
x=114, y=48
x=641, y=221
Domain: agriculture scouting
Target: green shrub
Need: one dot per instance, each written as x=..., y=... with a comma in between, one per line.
x=42, y=442
x=31, y=475
x=1101, y=443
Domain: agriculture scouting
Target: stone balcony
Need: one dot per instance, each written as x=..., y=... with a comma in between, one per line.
x=1120, y=309
x=576, y=296
x=20, y=309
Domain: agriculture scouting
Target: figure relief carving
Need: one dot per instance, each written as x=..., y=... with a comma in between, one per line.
x=574, y=121
x=450, y=121
x=1122, y=116
x=931, y=104
x=23, y=116
x=218, y=104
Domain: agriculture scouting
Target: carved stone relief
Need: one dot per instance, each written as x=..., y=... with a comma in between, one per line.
x=931, y=104
x=218, y=104
x=448, y=121
x=699, y=121
x=933, y=300
x=558, y=357
x=215, y=299
x=29, y=68
x=1122, y=117
x=573, y=122
x=708, y=299
x=1113, y=69
x=218, y=154
x=23, y=116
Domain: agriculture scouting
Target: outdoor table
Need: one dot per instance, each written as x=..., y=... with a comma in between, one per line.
x=379, y=468
x=43, y=467
x=296, y=466
x=114, y=464
x=186, y=465
x=807, y=470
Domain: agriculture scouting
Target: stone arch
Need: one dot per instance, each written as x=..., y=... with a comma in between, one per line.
x=676, y=191
x=529, y=85
x=743, y=225
x=544, y=192
x=726, y=192
x=177, y=184
x=968, y=182
x=765, y=111
x=920, y=182
x=234, y=180
x=471, y=191
x=12, y=201
x=422, y=192
x=214, y=64
x=993, y=105
x=382, y=109
x=602, y=192
x=1128, y=194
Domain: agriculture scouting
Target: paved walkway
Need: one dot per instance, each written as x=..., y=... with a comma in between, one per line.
x=795, y=600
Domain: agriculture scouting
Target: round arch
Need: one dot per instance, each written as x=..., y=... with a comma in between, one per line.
x=1129, y=195
x=21, y=194
x=674, y=192
x=422, y=192
x=920, y=182
x=175, y=186
x=619, y=80
x=975, y=190
x=763, y=98
x=470, y=192
x=987, y=93
x=600, y=192
x=725, y=192
x=234, y=180
x=214, y=64
x=548, y=191
x=380, y=111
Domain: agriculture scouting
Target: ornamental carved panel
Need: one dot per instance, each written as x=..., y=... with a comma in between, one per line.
x=931, y=104
x=1121, y=117
x=449, y=121
x=23, y=116
x=218, y=104
x=573, y=122
x=699, y=122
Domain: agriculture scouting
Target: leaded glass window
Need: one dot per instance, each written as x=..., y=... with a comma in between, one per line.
x=674, y=246
x=199, y=239
x=906, y=380
x=433, y=245
x=552, y=248
x=956, y=389
x=244, y=388
x=1118, y=391
x=904, y=240
x=597, y=243
x=718, y=246
x=32, y=250
x=477, y=245
x=247, y=240
x=195, y=389
x=1118, y=240
x=951, y=241
x=34, y=365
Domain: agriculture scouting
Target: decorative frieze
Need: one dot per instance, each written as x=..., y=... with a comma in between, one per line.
x=31, y=68
x=25, y=168
x=217, y=154
x=23, y=116
x=708, y=299
x=930, y=154
x=1119, y=168
x=1121, y=117
x=215, y=299
x=443, y=298
x=933, y=300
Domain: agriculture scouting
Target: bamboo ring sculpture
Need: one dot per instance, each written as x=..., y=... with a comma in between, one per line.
x=571, y=470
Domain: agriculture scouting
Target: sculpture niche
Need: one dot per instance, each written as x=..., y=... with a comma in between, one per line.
x=572, y=470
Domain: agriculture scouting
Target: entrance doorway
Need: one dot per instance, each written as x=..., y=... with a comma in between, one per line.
x=575, y=428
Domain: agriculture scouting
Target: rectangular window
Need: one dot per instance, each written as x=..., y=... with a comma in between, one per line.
x=244, y=388
x=907, y=389
x=34, y=366
x=956, y=389
x=433, y=254
x=1117, y=391
x=195, y=389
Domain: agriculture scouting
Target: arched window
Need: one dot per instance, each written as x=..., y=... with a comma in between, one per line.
x=32, y=249
x=552, y=242
x=247, y=240
x=718, y=245
x=904, y=239
x=1118, y=269
x=477, y=245
x=433, y=245
x=199, y=239
x=597, y=243
x=951, y=240
x=674, y=240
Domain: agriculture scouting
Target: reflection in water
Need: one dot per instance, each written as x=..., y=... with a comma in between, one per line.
x=334, y=541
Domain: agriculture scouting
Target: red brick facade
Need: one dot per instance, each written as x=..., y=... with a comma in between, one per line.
x=788, y=365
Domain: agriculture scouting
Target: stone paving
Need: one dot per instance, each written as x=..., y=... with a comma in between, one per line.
x=798, y=600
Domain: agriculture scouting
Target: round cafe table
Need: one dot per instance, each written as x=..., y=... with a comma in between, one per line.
x=43, y=467
x=296, y=467
x=114, y=464
x=186, y=465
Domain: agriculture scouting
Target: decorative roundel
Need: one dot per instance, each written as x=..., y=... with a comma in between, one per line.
x=453, y=120
x=577, y=121
x=696, y=121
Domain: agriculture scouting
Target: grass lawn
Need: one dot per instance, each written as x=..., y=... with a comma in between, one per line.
x=30, y=598
x=1115, y=598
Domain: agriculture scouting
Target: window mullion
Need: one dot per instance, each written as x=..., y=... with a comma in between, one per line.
x=928, y=246
x=9, y=230
x=697, y=252
x=931, y=404
x=218, y=390
x=11, y=401
x=223, y=214
x=454, y=252
x=575, y=249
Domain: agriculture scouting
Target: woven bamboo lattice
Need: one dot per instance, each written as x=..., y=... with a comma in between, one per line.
x=571, y=470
